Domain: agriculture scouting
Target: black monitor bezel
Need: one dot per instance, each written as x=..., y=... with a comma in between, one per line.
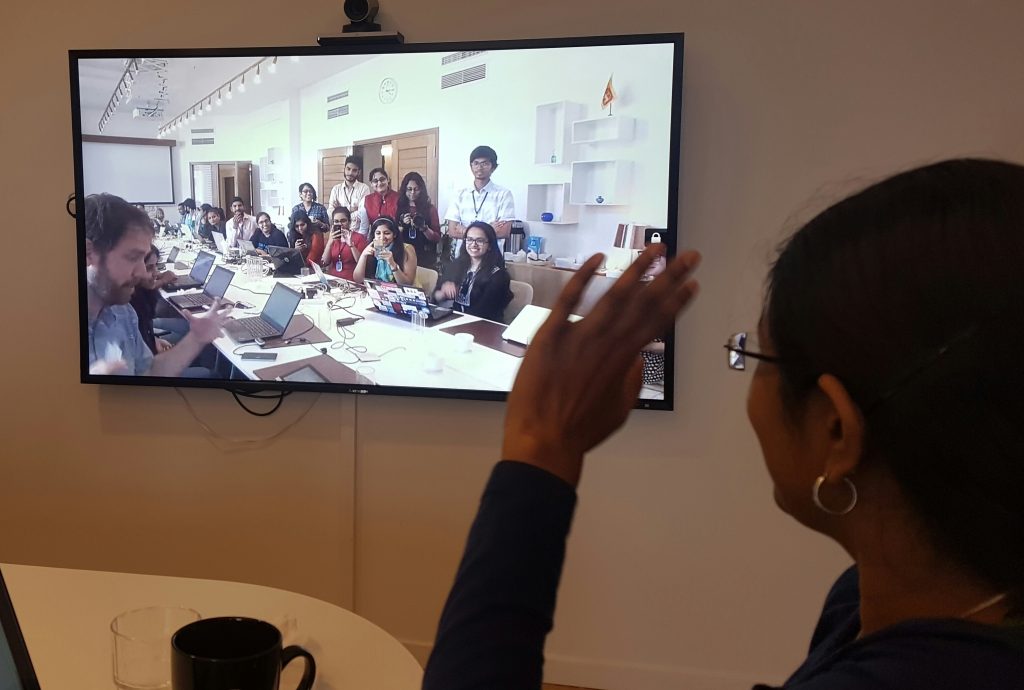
x=357, y=48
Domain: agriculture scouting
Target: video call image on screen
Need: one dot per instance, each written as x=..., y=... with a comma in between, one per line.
x=471, y=183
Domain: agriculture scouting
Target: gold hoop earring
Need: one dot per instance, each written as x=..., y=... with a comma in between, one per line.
x=817, y=498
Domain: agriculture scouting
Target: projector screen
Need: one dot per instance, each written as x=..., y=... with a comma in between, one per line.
x=138, y=173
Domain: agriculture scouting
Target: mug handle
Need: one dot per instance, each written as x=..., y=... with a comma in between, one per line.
x=309, y=675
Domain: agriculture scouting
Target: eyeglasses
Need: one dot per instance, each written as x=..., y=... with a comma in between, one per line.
x=306, y=191
x=481, y=164
x=378, y=180
x=738, y=352
x=477, y=241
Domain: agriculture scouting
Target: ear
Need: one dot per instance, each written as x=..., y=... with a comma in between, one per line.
x=845, y=428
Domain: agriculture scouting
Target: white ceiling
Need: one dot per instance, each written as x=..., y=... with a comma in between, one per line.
x=190, y=79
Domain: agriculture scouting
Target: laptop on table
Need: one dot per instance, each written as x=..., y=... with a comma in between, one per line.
x=220, y=241
x=16, y=671
x=200, y=270
x=287, y=260
x=215, y=288
x=172, y=260
x=246, y=246
x=273, y=320
x=403, y=300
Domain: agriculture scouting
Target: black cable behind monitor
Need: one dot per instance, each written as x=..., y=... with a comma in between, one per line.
x=72, y=201
x=238, y=395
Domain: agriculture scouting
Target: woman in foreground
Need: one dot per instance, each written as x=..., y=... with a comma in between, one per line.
x=887, y=399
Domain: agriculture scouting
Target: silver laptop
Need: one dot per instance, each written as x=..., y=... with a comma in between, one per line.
x=246, y=246
x=273, y=320
x=215, y=288
x=200, y=270
x=220, y=241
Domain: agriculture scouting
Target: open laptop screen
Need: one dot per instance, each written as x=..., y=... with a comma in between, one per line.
x=202, y=266
x=280, y=306
x=219, y=281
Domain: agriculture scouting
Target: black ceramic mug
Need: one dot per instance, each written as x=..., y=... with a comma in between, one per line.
x=230, y=653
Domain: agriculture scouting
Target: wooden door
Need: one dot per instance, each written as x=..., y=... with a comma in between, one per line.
x=415, y=153
x=331, y=164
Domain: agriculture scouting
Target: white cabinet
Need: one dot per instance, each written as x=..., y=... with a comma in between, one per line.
x=553, y=199
x=552, y=144
x=610, y=128
x=600, y=183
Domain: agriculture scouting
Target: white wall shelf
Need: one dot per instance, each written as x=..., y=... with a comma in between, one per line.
x=601, y=183
x=553, y=131
x=613, y=128
x=553, y=199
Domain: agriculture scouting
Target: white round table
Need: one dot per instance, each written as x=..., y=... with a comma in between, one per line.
x=65, y=616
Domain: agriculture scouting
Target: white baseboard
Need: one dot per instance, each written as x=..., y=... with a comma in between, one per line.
x=609, y=675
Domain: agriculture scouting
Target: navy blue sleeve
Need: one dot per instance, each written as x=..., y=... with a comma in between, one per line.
x=500, y=609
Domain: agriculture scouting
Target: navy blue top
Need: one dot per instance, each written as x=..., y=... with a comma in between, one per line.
x=501, y=608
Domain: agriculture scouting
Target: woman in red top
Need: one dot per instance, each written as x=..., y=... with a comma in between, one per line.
x=381, y=201
x=306, y=237
x=343, y=245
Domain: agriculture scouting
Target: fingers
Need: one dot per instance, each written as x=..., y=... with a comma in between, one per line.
x=573, y=291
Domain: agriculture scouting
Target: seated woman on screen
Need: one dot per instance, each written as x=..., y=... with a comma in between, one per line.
x=317, y=212
x=418, y=220
x=343, y=246
x=380, y=202
x=306, y=237
x=268, y=234
x=213, y=221
x=144, y=301
x=387, y=258
x=477, y=280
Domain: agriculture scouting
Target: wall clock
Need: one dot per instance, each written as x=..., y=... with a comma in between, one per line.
x=388, y=91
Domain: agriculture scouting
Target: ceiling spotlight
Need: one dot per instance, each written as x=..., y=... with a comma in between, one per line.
x=230, y=95
x=193, y=114
x=241, y=85
x=136, y=112
x=220, y=101
x=272, y=67
x=209, y=104
x=257, y=79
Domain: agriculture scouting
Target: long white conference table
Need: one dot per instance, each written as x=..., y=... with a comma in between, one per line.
x=380, y=349
x=65, y=617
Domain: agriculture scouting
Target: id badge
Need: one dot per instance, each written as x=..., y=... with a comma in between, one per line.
x=337, y=265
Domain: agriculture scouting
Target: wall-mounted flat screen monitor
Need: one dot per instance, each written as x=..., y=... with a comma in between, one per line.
x=466, y=181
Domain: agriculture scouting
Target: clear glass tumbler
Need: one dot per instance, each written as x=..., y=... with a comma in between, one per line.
x=142, y=645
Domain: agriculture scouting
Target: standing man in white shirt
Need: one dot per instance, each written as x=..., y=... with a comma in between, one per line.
x=350, y=193
x=241, y=226
x=484, y=201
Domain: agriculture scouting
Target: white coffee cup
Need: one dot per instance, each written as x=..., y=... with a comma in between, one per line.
x=463, y=342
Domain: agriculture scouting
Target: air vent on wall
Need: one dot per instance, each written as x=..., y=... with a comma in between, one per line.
x=198, y=139
x=464, y=76
x=337, y=112
x=462, y=55
x=337, y=96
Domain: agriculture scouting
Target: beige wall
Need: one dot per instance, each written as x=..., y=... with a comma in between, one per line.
x=681, y=572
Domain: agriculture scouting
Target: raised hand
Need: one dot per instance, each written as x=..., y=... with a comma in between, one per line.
x=579, y=380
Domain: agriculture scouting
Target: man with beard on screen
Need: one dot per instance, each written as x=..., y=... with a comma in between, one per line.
x=350, y=193
x=117, y=238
